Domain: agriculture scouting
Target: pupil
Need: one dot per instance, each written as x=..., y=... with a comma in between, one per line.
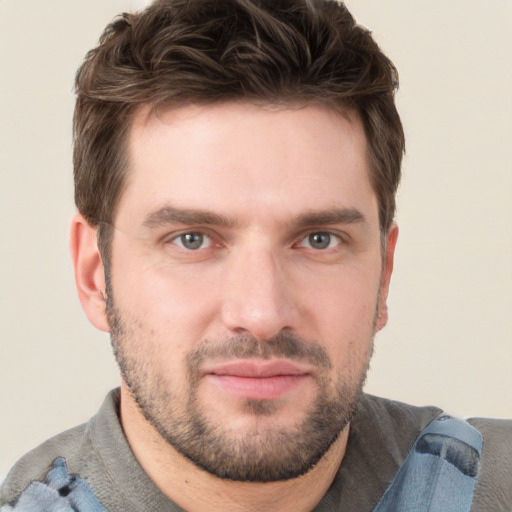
x=192, y=240
x=320, y=240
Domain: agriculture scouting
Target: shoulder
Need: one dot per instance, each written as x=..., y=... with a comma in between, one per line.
x=34, y=465
x=81, y=447
x=388, y=427
x=494, y=487
x=399, y=424
x=381, y=434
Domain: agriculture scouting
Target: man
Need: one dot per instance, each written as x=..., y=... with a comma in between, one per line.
x=236, y=165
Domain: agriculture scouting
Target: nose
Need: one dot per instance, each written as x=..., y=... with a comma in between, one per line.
x=258, y=296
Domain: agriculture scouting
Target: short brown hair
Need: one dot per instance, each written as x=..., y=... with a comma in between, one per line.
x=207, y=51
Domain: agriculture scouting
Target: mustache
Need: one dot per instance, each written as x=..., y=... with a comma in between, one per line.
x=282, y=345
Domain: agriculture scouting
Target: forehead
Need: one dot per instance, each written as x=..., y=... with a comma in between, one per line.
x=238, y=157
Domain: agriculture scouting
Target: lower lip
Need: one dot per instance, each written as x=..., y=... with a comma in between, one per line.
x=258, y=388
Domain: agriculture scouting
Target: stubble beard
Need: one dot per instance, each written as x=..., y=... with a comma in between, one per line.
x=261, y=453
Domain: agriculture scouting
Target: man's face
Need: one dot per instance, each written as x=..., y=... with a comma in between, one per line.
x=246, y=279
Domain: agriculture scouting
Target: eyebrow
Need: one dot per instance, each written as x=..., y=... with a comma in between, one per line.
x=331, y=216
x=170, y=215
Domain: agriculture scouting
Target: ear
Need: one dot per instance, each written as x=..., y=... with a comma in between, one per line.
x=89, y=271
x=387, y=270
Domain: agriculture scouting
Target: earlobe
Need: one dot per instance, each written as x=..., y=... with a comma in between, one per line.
x=387, y=270
x=89, y=271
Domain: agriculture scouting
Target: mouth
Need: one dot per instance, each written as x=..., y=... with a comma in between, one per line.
x=257, y=379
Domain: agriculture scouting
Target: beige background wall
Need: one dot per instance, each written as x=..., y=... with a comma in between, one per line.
x=449, y=340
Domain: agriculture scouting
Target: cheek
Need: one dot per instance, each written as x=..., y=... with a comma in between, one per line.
x=342, y=312
x=342, y=295
x=174, y=304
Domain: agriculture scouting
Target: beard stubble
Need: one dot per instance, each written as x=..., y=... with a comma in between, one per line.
x=258, y=454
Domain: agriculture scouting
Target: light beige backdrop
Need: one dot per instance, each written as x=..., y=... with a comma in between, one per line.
x=449, y=340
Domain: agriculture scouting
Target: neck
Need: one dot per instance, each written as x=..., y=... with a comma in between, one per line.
x=196, y=490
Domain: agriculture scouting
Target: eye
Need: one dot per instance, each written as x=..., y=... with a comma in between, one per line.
x=192, y=241
x=320, y=240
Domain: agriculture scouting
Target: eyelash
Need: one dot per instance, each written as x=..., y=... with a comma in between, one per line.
x=328, y=234
x=191, y=233
x=177, y=239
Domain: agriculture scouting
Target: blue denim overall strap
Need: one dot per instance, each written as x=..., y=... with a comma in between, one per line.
x=439, y=473
x=60, y=492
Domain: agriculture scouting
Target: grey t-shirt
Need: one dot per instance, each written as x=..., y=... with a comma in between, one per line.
x=381, y=435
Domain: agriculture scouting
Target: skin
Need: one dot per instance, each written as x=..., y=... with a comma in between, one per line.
x=291, y=244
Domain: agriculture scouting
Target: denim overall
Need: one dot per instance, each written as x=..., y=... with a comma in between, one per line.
x=438, y=475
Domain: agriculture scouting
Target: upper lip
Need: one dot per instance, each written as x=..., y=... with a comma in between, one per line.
x=256, y=368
